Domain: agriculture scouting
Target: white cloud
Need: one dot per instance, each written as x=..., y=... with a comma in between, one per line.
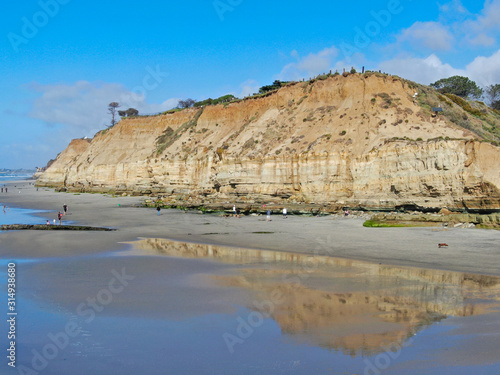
x=490, y=17
x=483, y=70
x=310, y=65
x=481, y=40
x=319, y=62
x=452, y=12
x=424, y=71
x=247, y=88
x=416, y=52
x=82, y=106
x=31, y=154
x=431, y=35
x=456, y=26
x=478, y=29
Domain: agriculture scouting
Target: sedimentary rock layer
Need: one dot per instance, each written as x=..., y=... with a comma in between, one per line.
x=357, y=141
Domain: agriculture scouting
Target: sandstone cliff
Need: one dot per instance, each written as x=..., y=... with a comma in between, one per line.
x=357, y=141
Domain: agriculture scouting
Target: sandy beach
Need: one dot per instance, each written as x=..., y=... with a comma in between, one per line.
x=201, y=293
x=469, y=250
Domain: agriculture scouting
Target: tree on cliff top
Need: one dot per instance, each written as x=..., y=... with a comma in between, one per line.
x=459, y=86
x=186, y=103
x=112, y=108
x=129, y=112
x=275, y=86
x=493, y=94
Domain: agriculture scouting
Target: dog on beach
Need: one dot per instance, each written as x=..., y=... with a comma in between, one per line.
x=440, y=245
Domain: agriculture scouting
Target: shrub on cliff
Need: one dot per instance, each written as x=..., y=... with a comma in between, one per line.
x=464, y=104
x=186, y=103
x=221, y=100
x=275, y=86
x=129, y=112
x=459, y=86
x=169, y=135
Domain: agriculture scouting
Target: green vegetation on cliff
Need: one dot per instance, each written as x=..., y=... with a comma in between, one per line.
x=472, y=115
x=169, y=136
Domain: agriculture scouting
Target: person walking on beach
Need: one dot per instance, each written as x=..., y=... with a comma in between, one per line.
x=65, y=208
x=268, y=215
x=2, y=190
x=59, y=216
x=284, y=213
x=158, y=210
x=234, y=210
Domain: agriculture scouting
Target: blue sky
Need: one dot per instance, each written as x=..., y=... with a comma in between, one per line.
x=64, y=61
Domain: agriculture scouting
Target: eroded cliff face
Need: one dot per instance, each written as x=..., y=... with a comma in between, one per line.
x=358, y=141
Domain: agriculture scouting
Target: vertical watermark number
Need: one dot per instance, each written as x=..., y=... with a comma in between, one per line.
x=11, y=314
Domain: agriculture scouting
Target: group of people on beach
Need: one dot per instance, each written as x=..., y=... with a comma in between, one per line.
x=236, y=212
x=269, y=212
x=60, y=215
x=6, y=189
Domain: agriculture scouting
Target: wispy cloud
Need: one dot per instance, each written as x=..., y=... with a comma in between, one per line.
x=483, y=29
x=483, y=69
x=83, y=105
x=429, y=35
x=481, y=40
x=423, y=70
x=476, y=30
x=453, y=12
x=310, y=65
x=248, y=87
x=421, y=51
x=490, y=16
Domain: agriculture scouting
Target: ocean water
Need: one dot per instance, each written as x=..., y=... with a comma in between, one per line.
x=14, y=177
x=14, y=215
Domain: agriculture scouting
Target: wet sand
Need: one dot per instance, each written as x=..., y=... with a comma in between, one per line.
x=190, y=306
x=469, y=250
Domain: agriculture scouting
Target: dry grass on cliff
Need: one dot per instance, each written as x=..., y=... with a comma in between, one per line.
x=303, y=116
x=359, y=121
x=343, y=118
x=471, y=115
x=169, y=136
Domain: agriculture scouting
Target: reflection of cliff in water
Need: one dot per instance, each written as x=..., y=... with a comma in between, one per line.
x=353, y=306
